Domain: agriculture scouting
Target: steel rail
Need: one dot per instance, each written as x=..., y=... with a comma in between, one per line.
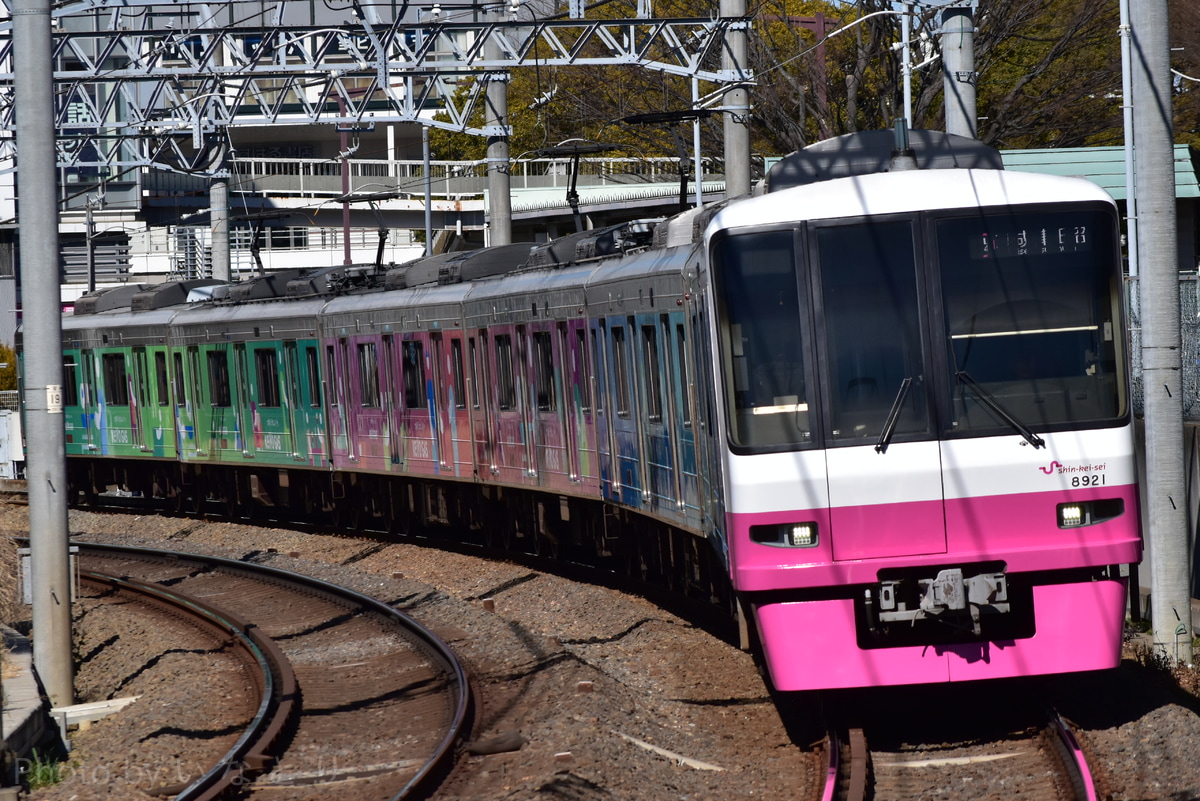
x=423, y=780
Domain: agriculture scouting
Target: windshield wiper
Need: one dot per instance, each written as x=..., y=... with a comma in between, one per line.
x=993, y=404
x=889, y=427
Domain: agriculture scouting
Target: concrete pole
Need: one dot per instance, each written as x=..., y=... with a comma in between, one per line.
x=218, y=217
x=1166, y=489
x=497, y=127
x=46, y=465
x=958, y=72
x=736, y=105
x=1131, y=246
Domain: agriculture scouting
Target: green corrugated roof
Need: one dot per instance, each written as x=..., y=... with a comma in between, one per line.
x=1102, y=165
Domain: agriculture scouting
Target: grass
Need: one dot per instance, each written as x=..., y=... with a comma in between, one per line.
x=40, y=772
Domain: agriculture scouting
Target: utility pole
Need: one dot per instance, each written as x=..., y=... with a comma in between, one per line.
x=41, y=314
x=958, y=72
x=736, y=104
x=496, y=124
x=1166, y=490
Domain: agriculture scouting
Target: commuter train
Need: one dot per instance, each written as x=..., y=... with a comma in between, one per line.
x=880, y=405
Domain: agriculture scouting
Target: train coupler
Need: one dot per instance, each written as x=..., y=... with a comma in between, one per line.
x=951, y=598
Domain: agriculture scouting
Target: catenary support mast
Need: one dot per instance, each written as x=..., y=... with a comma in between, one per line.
x=1166, y=490
x=46, y=461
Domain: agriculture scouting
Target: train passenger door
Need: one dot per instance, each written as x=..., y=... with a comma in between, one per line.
x=884, y=461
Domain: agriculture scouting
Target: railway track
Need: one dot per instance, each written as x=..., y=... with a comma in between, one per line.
x=1046, y=765
x=357, y=700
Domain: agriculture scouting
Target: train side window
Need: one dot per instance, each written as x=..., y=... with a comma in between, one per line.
x=116, y=379
x=162, y=383
x=653, y=367
x=70, y=382
x=266, y=366
x=505, y=387
x=456, y=366
x=621, y=370
x=685, y=374
x=368, y=375
x=543, y=354
x=218, y=378
x=314, y=377
x=414, y=375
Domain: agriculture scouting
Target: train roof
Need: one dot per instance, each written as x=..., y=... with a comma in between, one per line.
x=906, y=191
x=869, y=152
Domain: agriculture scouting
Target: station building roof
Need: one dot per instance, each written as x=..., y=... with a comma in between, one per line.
x=1104, y=166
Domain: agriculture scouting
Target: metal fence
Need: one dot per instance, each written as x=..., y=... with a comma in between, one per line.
x=1189, y=323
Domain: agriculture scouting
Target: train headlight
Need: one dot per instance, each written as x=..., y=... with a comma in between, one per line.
x=1089, y=513
x=802, y=535
x=786, y=535
x=1071, y=515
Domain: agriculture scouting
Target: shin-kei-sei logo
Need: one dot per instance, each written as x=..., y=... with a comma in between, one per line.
x=1050, y=470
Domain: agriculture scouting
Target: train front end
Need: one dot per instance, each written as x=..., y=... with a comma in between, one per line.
x=929, y=468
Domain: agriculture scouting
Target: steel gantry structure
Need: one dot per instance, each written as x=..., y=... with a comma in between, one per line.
x=145, y=84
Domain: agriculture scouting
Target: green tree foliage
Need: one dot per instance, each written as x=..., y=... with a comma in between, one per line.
x=1049, y=76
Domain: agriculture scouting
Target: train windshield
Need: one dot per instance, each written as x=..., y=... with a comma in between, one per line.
x=763, y=348
x=1032, y=319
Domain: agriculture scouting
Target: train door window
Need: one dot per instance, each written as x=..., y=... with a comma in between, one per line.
x=218, y=378
x=506, y=391
x=141, y=377
x=241, y=376
x=685, y=374
x=414, y=375
x=161, y=381
x=116, y=379
x=869, y=295
x=331, y=373
x=70, y=382
x=456, y=367
x=180, y=385
x=620, y=371
x=291, y=378
x=266, y=368
x=598, y=361
x=762, y=349
x=653, y=368
x=585, y=374
x=435, y=343
x=194, y=369
x=314, y=377
x=543, y=356
x=474, y=356
x=368, y=376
